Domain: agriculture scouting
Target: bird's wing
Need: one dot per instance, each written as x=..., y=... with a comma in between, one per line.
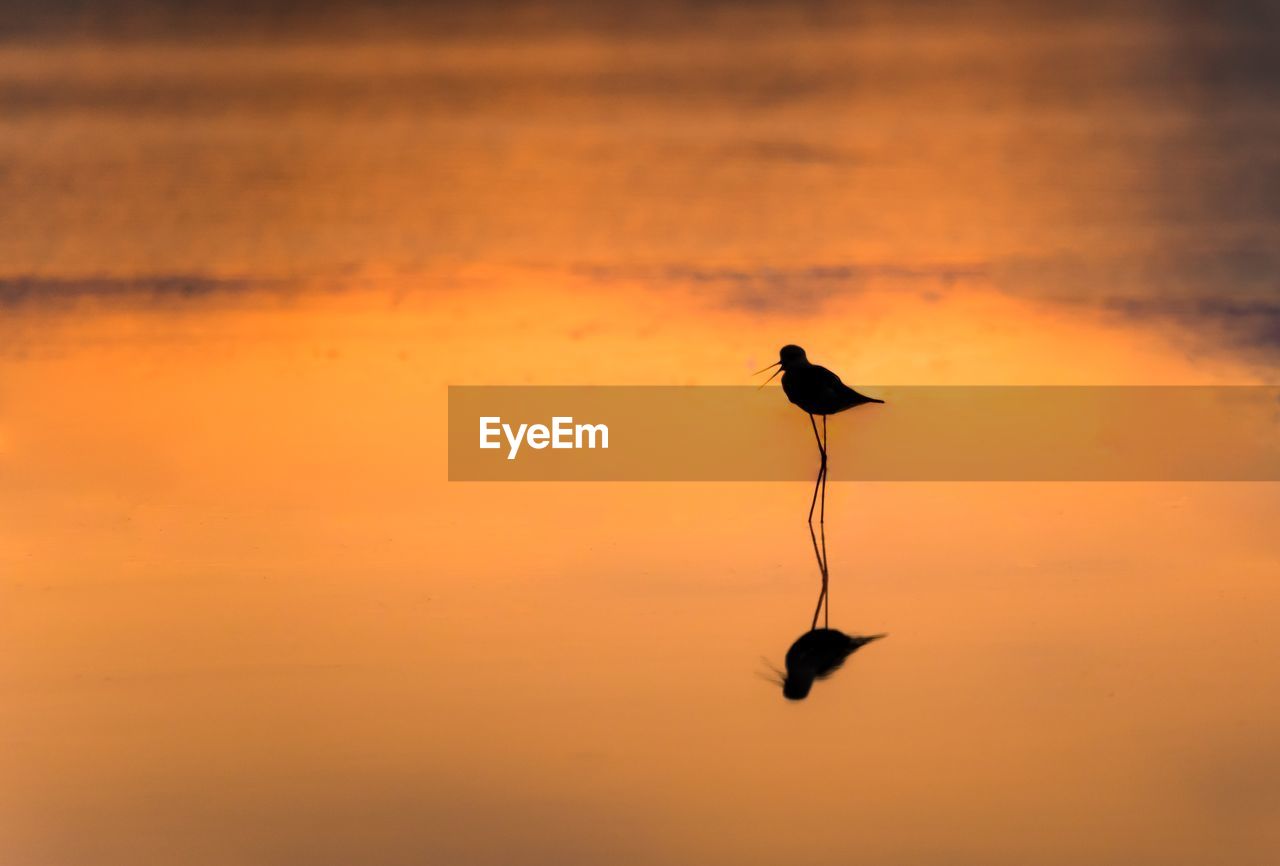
x=832, y=382
x=825, y=378
x=829, y=383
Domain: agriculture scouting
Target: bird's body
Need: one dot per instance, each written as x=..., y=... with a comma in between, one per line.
x=818, y=391
x=816, y=655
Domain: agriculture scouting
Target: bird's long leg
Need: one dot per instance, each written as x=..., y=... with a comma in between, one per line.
x=816, y=484
x=822, y=597
x=822, y=569
x=821, y=555
x=822, y=448
x=822, y=469
x=822, y=513
x=826, y=575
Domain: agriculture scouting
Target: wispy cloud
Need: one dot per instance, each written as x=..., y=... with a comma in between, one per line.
x=24, y=289
x=796, y=289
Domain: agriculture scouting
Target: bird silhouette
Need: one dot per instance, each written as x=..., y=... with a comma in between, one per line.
x=816, y=655
x=819, y=652
x=817, y=391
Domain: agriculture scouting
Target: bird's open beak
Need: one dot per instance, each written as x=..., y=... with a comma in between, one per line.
x=778, y=365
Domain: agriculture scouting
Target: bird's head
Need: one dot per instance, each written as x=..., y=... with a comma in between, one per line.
x=795, y=684
x=796, y=688
x=789, y=358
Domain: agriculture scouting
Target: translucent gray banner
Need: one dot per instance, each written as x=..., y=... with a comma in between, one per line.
x=921, y=433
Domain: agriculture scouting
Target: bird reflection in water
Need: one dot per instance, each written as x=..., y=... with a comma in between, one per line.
x=819, y=652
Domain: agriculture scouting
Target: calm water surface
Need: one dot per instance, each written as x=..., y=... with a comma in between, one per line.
x=244, y=619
